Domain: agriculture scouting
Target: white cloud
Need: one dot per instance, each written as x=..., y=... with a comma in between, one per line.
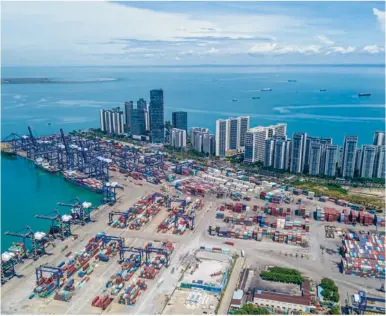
x=324, y=40
x=342, y=50
x=373, y=49
x=262, y=48
x=212, y=51
x=380, y=17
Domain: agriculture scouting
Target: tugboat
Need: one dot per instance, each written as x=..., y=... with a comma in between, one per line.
x=255, y=98
x=266, y=89
x=234, y=100
x=323, y=90
x=364, y=94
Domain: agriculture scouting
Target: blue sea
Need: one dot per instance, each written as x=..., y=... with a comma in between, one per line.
x=206, y=93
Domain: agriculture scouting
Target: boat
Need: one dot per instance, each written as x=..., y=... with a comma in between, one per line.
x=323, y=90
x=7, y=150
x=255, y=98
x=364, y=94
x=266, y=89
x=45, y=166
x=291, y=80
x=234, y=100
x=81, y=180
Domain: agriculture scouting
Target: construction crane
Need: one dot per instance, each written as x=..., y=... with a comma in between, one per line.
x=57, y=224
x=37, y=244
x=82, y=210
x=135, y=250
x=185, y=217
x=54, y=272
x=158, y=251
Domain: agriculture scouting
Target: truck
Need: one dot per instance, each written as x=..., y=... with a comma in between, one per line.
x=242, y=253
x=230, y=243
x=159, y=282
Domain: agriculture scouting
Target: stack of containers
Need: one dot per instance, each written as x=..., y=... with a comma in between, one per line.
x=307, y=225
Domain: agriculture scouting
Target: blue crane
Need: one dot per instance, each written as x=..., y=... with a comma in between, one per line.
x=82, y=210
x=7, y=270
x=107, y=238
x=38, y=245
x=55, y=272
x=69, y=154
x=57, y=224
x=159, y=251
x=116, y=213
x=185, y=217
x=110, y=192
x=135, y=250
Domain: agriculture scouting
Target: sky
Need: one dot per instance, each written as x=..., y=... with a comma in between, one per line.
x=48, y=33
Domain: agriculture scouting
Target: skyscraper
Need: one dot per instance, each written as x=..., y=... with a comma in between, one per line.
x=194, y=131
x=379, y=138
x=331, y=155
x=141, y=104
x=244, y=125
x=358, y=161
x=138, y=120
x=379, y=163
x=178, y=138
x=111, y=121
x=156, y=116
x=222, y=137
x=349, y=155
x=314, y=160
x=209, y=144
x=234, y=133
x=368, y=159
x=198, y=141
x=298, y=148
x=280, y=153
x=180, y=120
x=128, y=109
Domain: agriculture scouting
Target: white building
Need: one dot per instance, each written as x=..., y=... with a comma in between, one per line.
x=112, y=121
x=230, y=135
x=178, y=138
x=330, y=159
x=195, y=130
x=209, y=144
x=368, y=159
x=349, y=156
x=315, y=157
x=255, y=141
x=379, y=163
x=298, y=150
x=379, y=138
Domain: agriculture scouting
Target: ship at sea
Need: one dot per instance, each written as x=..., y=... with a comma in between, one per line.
x=364, y=94
x=255, y=98
x=291, y=80
x=234, y=100
x=266, y=89
x=79, y=179
x=323, y=90
x=7, y=150
x=45, y=166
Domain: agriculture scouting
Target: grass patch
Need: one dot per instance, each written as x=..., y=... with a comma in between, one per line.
x=277, y=274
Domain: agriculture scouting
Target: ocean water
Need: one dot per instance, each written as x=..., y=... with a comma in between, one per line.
x=206, y=93
x=27, y=191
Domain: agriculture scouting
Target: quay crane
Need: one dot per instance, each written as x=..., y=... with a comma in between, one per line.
x=37, y=243
x=7, y=268
x=64, y=227
x=110, y=192
x=82, y=210
x=54, y=272
x=135, y=250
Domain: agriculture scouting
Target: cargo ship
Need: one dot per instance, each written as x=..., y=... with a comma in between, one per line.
x=45, y=166
x=7, y=150
x=364, y=94
x=234, y=100
x=323, y=90
x=291, y=80
x=266, y=89
x=81, y=180
x=255, y=98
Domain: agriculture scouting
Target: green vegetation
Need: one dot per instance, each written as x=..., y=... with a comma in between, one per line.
x=337, y=192
x=250, y=309
x=330, y=290
x=284, y=275
x=335, y=310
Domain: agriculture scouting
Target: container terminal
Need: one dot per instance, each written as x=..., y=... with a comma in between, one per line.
x=182, y=237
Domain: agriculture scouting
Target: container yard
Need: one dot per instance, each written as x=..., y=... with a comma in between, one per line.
x=147, y=236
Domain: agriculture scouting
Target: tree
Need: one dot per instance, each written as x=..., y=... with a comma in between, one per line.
x=335, y=310
x=250, y=309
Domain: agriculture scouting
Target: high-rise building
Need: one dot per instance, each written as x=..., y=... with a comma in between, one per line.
x=379, y=163
x=198, y=141
x=178, y=138
x=141, y=104
x=368, y=159
x=281, y=153
x=340, y=158
x=269, y=151
x=194, y=131
x=309, y=141
x=314, y=158
x=180, y=120
x=234, y=137
x=222, y=137
x=138, y=120
x=209, y=144
x=379, y=138
x=255, y=141
x=349, y=155
x=156, y=116
x=358, y=161
x=112, y=121
x=298, y=148
x=128, y=109
x=331, y=155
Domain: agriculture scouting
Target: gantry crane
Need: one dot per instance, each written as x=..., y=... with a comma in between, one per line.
x=7, y=269
x=107, y=238
x=110, y=192
x=159, y=251
x=38, y=245
x=82, y=210
x=117, y=213
x=57, y=224
x=135, y=250
x=54, y=272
